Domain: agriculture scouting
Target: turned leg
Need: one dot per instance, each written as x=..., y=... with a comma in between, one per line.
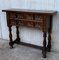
x=10, y=36
x=17, y=41
x=44, y=45
x=49, y=42
x=49, y=35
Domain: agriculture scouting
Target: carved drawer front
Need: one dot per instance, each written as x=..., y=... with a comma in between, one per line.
x=40, y=18
x=22, y=23
x=30, y=24
x=24, y=16
x=11, y=15
x=16, y=16
x=12, y=22
x=29, y=16
x=25, y=23
x=39, y=25
x=20, y=15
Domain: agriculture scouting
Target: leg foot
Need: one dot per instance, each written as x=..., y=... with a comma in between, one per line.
x=44, y=55
x=11, y=45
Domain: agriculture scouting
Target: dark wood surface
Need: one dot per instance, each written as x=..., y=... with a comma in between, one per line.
x=41, y=19
x=31, y=11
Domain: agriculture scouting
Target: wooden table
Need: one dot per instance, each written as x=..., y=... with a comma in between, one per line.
x=31, y=18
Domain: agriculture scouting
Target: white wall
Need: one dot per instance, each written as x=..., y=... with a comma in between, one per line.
x=55, y=30
x=32, y=35
x=33, y=4
x=0, y=22
x=4, y=4
x=40, y=4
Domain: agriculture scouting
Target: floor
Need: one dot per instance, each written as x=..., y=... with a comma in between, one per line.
x=21, y=52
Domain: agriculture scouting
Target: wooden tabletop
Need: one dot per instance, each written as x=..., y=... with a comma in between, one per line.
x=30, y=11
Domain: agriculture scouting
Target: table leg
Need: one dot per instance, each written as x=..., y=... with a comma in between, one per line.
x=49, y=35
x=44, y=45
x=49, y=42
x=17, y=41
x=10, y=36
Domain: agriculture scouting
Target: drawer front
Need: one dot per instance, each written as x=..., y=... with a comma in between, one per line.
x=38, y=24
x=41, y=25
x=12, y=15
x=25, y=23
x=16, y=16
x=31, y=24
x=25, y=16
x=12, y=22
x=39, y=18
x=22, y=23
x=30, y=20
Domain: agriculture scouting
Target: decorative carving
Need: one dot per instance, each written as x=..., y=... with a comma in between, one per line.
x=30, y=24
x=12, y=22
x=29, y=16
x=38, y=17
x=38, y=25
x=11, y=15
x=21, y=16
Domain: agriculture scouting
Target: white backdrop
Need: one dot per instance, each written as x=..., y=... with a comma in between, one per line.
x=4, y=4
x=31, y=35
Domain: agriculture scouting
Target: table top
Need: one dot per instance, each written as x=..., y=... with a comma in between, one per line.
x=30, y=11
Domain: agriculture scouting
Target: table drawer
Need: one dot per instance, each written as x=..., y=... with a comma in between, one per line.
x=23, y=16
x=12, y=22
x=27, y=23
x=30, y=20
x=16, y=16
x=12, y=15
